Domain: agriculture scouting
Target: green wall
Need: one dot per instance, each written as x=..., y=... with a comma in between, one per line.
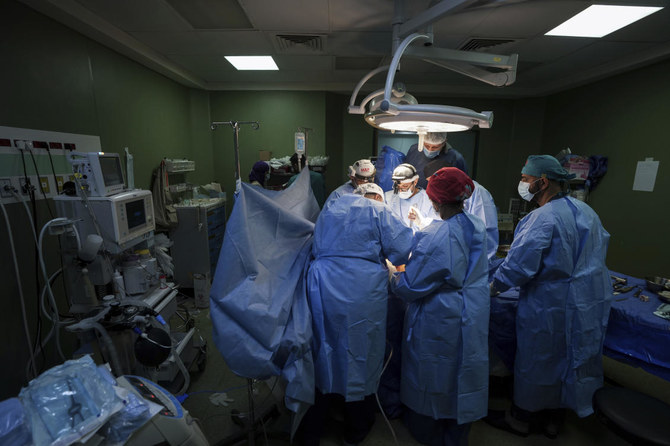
x=62, y=81
x=55, y=79
x=625, y=119
x=279, y=115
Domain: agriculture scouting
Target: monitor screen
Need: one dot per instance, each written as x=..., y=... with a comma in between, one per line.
x=110, y=166
x=135, y=214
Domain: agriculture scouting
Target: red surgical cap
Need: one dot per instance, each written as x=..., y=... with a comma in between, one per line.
x=449, y=185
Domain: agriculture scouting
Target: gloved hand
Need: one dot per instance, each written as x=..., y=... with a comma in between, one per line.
x=419, y=220
x=492, y=290
x=220, y=399
x=392, y=269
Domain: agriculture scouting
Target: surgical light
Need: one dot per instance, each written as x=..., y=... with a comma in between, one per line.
x=393, y=109
x=252, y=62
x=600, y=20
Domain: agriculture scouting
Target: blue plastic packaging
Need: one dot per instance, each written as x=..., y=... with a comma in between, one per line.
x=14, y=429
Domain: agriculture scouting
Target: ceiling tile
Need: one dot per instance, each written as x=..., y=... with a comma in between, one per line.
x=133, y=15
x=212, y=14
x=288, y=15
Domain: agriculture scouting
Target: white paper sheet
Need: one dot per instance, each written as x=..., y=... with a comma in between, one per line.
x=645, y=175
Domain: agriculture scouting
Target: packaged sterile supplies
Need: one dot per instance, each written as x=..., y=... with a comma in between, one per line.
x=68, y=402
x=317, y=160
x=14, y=427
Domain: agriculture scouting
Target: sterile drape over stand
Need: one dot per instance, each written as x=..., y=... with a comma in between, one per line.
x=260, y=315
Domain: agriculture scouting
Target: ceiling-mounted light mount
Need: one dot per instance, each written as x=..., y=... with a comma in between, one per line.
x=387, y=108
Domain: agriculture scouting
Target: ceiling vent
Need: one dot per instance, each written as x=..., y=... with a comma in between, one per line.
x=298, y=43
x=477, y=44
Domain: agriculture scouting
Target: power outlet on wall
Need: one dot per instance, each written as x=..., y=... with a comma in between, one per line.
x=3, y=192
x=27, y=185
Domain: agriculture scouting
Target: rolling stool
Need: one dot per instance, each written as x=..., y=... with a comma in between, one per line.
x=634, y=416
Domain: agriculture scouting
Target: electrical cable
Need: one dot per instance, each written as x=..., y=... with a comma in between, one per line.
x=147, y=338
x=183, y=370
x=29, y=189
x=20, y=199
x=37, y=172
x=379, y=404
x=60, y=246
x=53, y=169
x=24, y=314
x=53, y=327
x=56, y=320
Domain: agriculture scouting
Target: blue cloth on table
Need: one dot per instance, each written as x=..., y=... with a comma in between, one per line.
x=635, y=335
x=260, y=315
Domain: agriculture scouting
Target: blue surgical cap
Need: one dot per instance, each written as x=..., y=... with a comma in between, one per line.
x=546, y=166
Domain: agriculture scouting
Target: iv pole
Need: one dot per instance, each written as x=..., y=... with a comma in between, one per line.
x=236, y=129
x=305, y=131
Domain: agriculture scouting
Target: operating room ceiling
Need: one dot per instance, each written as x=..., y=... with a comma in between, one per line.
x=329, y=45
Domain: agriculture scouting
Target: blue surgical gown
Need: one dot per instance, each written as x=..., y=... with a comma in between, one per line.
x=481, y=204
x=419, y=161
x=347, y=290
x=557, y=259
x=401, y=206
x=346, y=188
x=445, y=342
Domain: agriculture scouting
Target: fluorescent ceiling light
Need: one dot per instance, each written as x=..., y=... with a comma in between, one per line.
x=600, y=20
x=252, y=62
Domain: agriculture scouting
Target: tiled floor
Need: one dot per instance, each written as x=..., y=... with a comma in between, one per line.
x=220, y=429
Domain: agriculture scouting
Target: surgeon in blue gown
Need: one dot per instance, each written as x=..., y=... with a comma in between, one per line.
x=435, y=147
x=361, y=172
x=445, y=338
x=480, y=204
x=406, y=200
x=347, y=291
x=406, y=194
x=557, y=259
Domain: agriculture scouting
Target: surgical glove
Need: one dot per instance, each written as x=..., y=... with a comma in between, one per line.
x=392, y=269
x=220, y=399
x=415, y=215
x=492, y=290
x=421, y=221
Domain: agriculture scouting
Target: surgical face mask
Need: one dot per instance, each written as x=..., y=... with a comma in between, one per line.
x=405, y=194
x=431, y=153
x=524, y=190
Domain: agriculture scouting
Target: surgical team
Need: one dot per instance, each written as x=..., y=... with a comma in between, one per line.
x=404, y=279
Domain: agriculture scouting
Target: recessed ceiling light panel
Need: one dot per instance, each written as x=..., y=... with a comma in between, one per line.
x=252, y=62
x=600, y=20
